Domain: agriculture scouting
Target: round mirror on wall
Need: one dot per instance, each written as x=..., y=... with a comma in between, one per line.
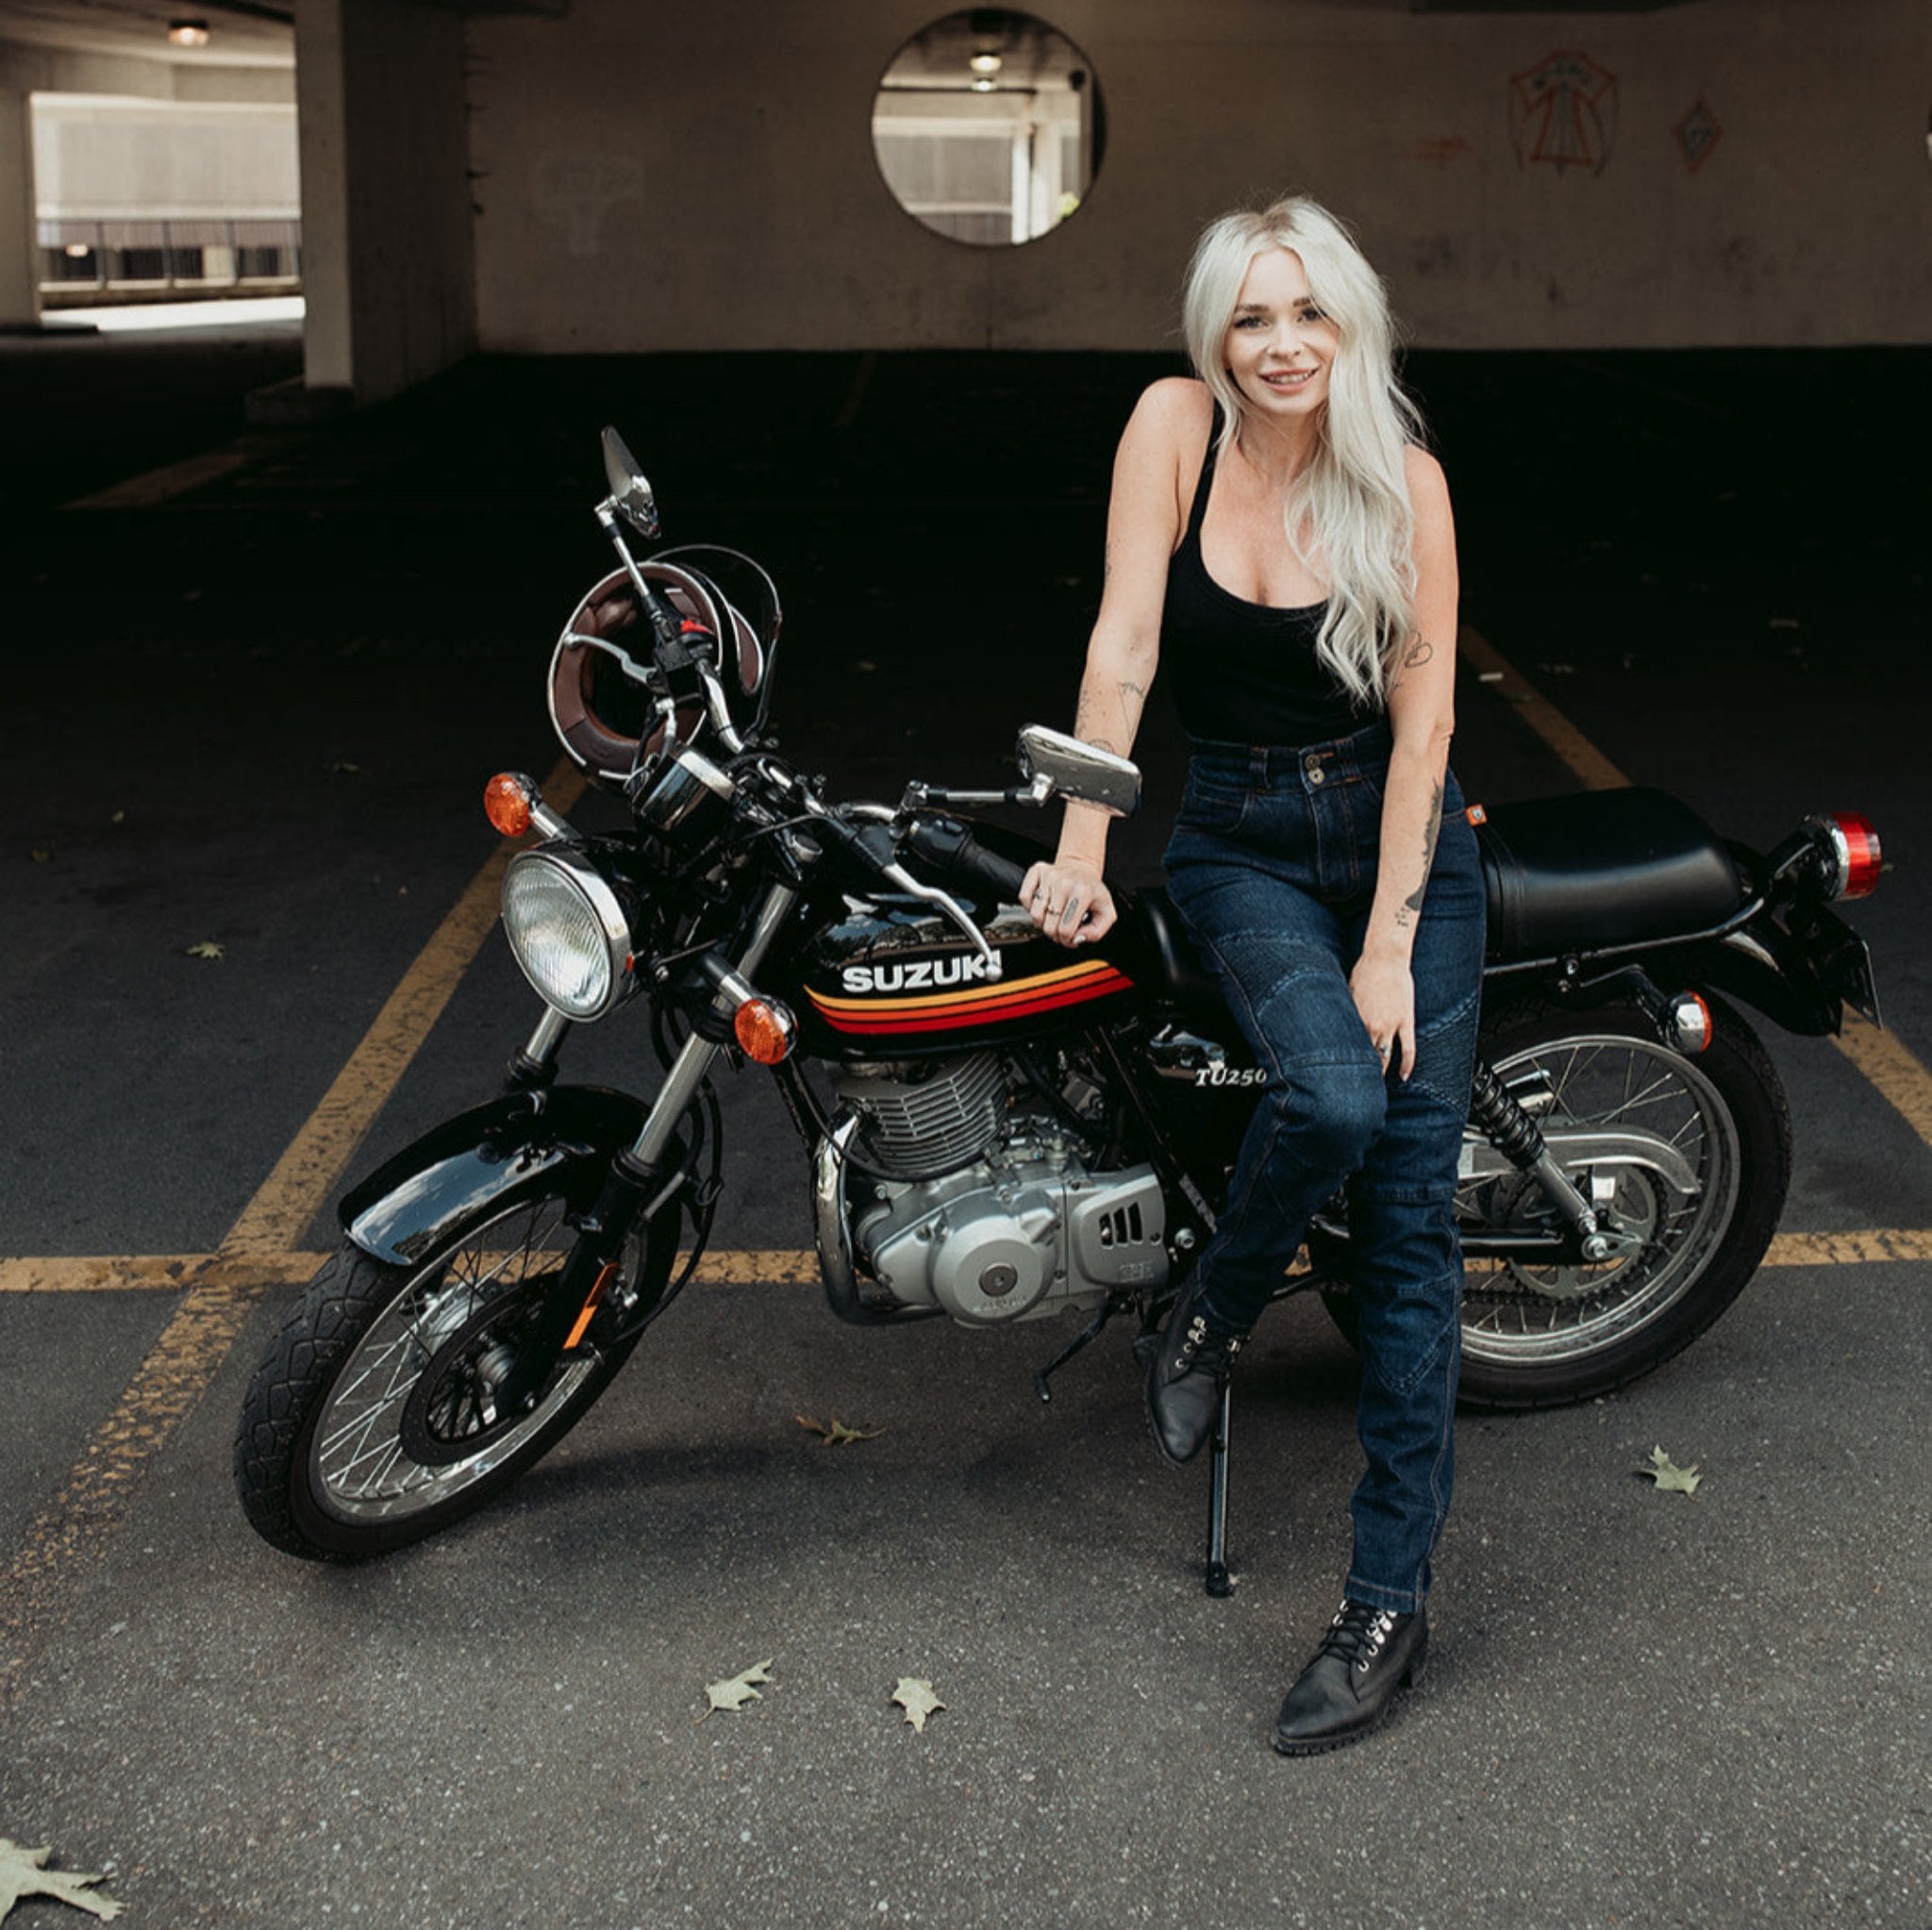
x=987, y=127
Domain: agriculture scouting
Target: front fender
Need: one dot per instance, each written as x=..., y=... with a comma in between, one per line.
x=423, y=1198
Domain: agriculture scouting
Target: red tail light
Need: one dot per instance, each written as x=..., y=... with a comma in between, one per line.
x=1853, y=854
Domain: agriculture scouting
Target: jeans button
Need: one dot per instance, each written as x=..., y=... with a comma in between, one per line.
x=1313, y=767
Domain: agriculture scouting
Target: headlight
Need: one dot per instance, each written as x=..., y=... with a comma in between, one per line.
x=568, y=931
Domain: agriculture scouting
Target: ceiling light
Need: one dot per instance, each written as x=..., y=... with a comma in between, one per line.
x=985, y=63
x=985, y=83
x=189, y=33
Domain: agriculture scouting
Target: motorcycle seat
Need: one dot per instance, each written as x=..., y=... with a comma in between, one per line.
x=1160, y=953
x=1601, y=868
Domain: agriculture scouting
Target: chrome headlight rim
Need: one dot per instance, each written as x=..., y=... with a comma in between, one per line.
x=562, y=864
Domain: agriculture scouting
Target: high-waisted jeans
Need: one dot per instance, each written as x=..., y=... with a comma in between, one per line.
x=1272, y=867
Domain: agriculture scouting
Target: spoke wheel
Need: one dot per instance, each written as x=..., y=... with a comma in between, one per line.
x=375, y=1419
x=1703, y=1163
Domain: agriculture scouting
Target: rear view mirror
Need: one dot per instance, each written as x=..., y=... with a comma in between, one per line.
x=1079, y=771
x=630, y=494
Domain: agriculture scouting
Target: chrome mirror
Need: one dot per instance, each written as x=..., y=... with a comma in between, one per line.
x=1079, y=771
x=630, y=494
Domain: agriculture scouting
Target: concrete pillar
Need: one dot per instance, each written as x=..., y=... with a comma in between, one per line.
x=386, y=250
x=19, y=256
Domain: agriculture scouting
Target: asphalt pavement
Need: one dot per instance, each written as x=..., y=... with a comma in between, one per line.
x=255, y=681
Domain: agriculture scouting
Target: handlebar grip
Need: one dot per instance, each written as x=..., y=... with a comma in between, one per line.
x=949, y=846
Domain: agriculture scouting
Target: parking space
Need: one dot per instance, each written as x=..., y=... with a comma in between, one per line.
x=257, y=716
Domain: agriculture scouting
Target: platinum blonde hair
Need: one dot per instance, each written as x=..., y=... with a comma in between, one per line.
x=1347, y=513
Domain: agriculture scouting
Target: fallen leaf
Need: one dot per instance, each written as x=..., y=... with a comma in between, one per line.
x=40, y=853
x=1668, y=1475
x=23, y=1872
x=341, y=769
x=918, y=1701
x=208, y=949
x=836, y=1434
x=119, y=818
x=736, y=1690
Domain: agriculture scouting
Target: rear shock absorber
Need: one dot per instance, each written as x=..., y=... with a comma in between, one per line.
x=1493, y=1109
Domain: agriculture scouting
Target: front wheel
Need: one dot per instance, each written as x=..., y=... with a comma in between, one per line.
x=1692, y=1158
x=373, y=1421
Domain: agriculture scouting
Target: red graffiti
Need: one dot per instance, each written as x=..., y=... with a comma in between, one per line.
x=1442, y=149
x=1563, y=111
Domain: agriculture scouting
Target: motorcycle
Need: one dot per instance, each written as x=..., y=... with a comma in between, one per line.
x=1000, y=1129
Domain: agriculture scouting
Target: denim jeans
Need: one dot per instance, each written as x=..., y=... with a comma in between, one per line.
x=1272, y=867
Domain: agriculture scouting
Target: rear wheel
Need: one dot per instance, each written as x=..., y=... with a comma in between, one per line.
x=1687, y=1157
x=373, y=1419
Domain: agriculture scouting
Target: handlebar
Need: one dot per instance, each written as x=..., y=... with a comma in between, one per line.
x=950, y=847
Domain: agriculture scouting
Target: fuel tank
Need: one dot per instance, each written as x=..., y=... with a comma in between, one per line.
x=889, y=978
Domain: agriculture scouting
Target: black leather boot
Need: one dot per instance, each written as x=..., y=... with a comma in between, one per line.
x=1366, y=1655
x=1186, y=1374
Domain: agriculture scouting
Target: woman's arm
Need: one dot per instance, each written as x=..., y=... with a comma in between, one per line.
x=1422, y=715
x=1066, y=898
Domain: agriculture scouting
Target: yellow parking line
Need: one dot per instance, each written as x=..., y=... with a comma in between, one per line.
x=161, y=485
x=1505, y=680
x=287, y=1199
x=1891, y=1067
x=223, y=1289
x=1893, y=1070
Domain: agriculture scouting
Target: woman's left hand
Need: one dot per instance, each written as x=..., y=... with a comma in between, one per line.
x=1384, y=993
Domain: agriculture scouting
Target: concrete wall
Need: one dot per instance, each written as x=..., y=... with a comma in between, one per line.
x=686, y=177
x=386, y=205
x=98, y=157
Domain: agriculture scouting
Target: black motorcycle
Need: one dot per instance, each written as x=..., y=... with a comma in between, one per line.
x=1000, y=1128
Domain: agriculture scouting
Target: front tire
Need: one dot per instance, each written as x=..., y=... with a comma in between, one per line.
x=370, y=1422
x=1547, y=1336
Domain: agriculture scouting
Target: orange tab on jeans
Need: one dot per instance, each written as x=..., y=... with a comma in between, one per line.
x=1476, y=815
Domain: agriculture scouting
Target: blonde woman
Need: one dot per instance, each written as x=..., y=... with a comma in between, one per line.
x=1279, y=541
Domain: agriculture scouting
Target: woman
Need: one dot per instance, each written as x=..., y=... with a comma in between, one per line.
x=1278, y=538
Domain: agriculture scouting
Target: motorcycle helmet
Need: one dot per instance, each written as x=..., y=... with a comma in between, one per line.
x=603, y=704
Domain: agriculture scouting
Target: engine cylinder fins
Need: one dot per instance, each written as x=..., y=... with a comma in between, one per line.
x=916, y=1123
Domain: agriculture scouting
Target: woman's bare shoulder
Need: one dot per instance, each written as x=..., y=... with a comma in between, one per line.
x=1178, y=404
x=1423, y=475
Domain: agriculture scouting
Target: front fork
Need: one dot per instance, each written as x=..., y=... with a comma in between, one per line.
x=644, y=1178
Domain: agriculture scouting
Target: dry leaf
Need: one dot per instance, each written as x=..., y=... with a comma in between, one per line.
x=23, y=1872
x=836, y=1434
x=119, y=818
x=734, y=1692
x=208, y=949
x=39, y=853
x=917, y=1700
x=1667, y=1474
x=341, y=769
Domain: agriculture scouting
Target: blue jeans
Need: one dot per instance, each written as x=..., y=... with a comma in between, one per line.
x=1272, y=867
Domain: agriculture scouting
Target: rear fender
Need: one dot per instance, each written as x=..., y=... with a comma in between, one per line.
x=459, y=1172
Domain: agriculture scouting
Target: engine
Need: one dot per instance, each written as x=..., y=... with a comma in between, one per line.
x=984, y=1209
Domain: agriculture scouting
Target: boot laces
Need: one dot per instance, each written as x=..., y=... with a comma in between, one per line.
x=1201, y=1346
x=1357, y=1635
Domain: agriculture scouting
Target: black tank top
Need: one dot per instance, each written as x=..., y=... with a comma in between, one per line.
x=1244, y=673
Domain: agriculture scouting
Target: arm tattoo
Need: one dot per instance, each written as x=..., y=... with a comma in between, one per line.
x=1419, y=654
x=1412, y=905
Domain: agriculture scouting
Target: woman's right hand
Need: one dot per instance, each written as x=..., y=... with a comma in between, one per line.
x=1069, y=901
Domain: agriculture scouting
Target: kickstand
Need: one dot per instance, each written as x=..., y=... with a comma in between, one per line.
x=1217, y=1580
x=1089, y=1332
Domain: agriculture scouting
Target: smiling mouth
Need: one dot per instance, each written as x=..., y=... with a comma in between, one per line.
x=1289, y=378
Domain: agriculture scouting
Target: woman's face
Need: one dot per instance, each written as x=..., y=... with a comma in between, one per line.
x=1280, y=347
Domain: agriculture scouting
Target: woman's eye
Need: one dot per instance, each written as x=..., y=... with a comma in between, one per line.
x=1251, y=321
x=1311, y=313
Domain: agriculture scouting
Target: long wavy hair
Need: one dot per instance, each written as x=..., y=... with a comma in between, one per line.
x=1347, y=513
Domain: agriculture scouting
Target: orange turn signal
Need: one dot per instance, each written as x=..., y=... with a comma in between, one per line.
x=507, y=803
x=765, y=1030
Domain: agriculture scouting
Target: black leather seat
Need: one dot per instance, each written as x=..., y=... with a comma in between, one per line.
x=1601, y=868
x=1563, y=875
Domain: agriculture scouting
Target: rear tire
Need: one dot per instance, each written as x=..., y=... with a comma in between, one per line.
x=370, y=1422
x=1549, y=1336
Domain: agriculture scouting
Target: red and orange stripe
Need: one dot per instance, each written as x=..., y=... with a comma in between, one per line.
x=980, y=1004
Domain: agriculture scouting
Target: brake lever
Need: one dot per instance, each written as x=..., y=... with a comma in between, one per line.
x=896, y=874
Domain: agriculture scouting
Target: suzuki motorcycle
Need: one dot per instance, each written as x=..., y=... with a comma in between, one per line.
x=999, y=1128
